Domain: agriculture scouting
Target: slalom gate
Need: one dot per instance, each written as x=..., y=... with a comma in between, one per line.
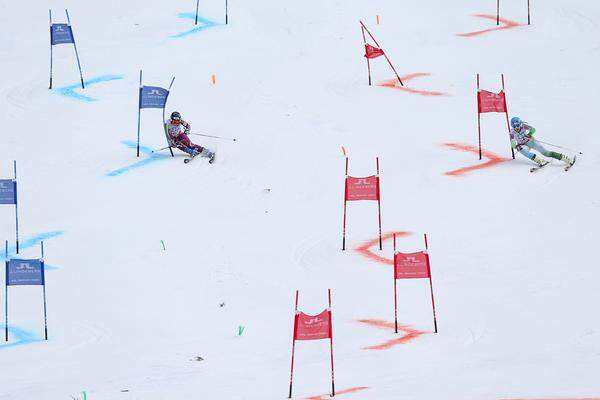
x=313, y=327
x=362, y=189
x=153, y=97
x=490, y=102
x=412, y=266
x=25, y=272
x=8, y=195
x=63, y=34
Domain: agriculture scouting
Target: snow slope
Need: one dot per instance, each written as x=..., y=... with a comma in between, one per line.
x=513, y=254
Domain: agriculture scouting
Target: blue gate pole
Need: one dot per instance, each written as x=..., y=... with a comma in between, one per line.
x=75, y=47
x=6, y=293
x=139, y=115
x=16, y=207
x=164, y=123
x=44, y=292
x=50, y=15
x=197, y=4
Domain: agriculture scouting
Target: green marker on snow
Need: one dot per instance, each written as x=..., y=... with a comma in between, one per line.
x=240, y=330
x=163, y=245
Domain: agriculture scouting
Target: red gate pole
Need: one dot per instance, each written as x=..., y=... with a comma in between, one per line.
x=331, y=344
x=478, y=118
x=365, y=43
x=497, y=12
x=395, y=291
x=345, y=198
x=379, y=204
x=528, y=13
x=293, y=344
x=385, y=55
x=507, y=122
x=430, y=284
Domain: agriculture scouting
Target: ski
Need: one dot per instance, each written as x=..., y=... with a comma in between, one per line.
x=568, y=167
x=533, y=169
x=210, y=160
x=187, y=160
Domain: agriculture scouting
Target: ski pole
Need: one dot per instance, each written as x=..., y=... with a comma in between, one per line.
x=162, y=148
x=560, y=147
x=212, y=136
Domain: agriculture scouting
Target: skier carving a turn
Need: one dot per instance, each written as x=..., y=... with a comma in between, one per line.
x=178, y=131
x=521, y=138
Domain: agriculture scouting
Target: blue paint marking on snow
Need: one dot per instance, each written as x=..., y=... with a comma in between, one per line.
x=139, y=164
x=205, y=24
x=30, y=242
x=19, y=337
x=69, y=91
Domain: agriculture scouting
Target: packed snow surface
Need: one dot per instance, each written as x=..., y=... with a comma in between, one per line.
x=153, y=263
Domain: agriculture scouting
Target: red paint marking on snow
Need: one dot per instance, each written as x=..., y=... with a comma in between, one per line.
x=493, y=159
x=394, y=84
x=337, y=393
x=365, y=248
x=409, y=333
x=506, y=24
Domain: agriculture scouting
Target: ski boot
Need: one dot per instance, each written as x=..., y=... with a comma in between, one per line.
x=569, y=161
x=566, y=159
x=540, y=161
x=208, y=154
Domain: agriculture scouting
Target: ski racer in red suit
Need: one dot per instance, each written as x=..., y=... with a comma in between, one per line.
x=178, y=131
